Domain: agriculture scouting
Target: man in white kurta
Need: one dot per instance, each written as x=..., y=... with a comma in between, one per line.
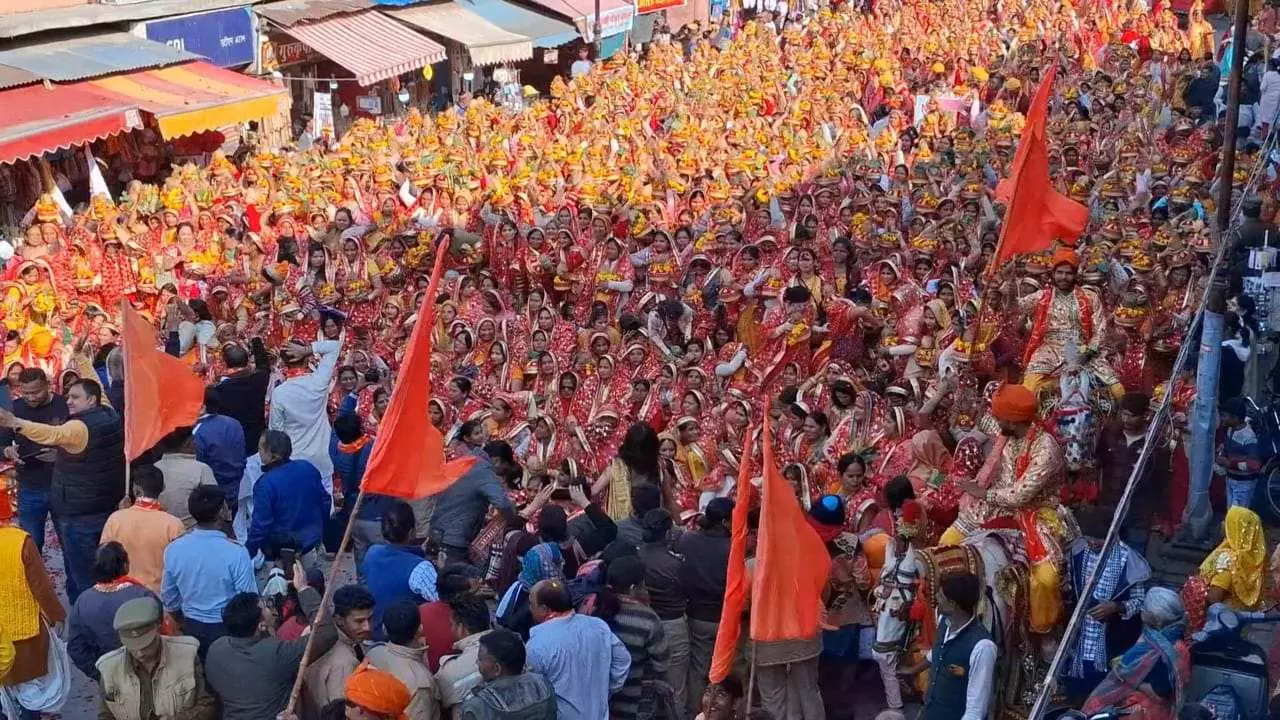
x=299, y=404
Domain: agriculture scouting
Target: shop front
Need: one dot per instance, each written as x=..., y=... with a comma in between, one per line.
x=616, y=19
x=342, y=60
x=482, y=55
x=140, y=105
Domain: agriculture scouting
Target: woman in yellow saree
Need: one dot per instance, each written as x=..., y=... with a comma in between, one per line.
x=1233, y=572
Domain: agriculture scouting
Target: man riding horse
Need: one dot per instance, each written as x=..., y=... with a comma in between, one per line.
x=1017, y=488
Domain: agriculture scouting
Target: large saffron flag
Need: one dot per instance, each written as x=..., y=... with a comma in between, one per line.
x=792, y=562
x=735, y=588
x=161, y=394
x=407, y=460
x=1036, y=214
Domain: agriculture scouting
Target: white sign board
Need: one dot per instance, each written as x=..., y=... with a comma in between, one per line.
x=323, y=112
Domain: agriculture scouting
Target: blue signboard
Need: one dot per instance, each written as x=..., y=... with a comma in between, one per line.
x=224, y=36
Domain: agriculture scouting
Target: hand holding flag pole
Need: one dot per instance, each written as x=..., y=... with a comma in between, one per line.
x=407, y=460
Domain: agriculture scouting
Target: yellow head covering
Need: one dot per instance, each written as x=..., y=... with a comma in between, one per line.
x=1240, y=557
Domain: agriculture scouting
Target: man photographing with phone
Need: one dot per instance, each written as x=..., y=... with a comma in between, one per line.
x=34, y=461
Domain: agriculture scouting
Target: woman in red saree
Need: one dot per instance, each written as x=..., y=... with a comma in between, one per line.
x=864, y=510
x=862, y=429
x=359, y=282
x=1149, y=679
x=930, y=461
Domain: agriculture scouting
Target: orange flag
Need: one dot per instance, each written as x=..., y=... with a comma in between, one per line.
x=792, y=562
x=407, y=460
x=735, y=589
x=1036, y=214
x=161, y=394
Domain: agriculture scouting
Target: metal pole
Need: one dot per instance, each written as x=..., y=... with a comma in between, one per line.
x=595, y=30
x=1154, y=428
x=1199, y=515
x=1238, y=51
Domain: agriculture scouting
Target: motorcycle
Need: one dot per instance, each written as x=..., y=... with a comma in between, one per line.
x=1266, y=423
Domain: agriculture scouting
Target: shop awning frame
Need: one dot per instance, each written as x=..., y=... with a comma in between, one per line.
x=370, y=45
x=196, y=97
x=41, y=119
x=546, y=31
x=92, y=56
x=487, y=43
x=616, y=16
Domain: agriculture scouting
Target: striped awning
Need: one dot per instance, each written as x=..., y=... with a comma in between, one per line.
x=195, y=97
x=487, y=43
x=372, y=46
x=40, y=119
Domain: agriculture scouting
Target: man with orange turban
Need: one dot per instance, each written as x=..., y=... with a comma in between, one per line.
x=1022, y=493
x=1068, y=325
x=375, y=695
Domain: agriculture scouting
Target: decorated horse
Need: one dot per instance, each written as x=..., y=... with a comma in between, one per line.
x=999, y=559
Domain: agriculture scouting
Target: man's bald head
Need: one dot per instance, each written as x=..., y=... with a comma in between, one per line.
x=549, y=597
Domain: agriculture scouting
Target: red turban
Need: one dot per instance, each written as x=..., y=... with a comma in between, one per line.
x=1066, y=256
x=1014, y=403
x=377, y=692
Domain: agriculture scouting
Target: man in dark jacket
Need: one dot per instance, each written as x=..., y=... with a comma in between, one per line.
x=115, y=380
x=704, y=576
x=1118, y=449
x=242, y=392
x=35, y=462
x=1254, y=233
x=1201, y=91
x=508, y=692
x=88, y=475
x=289, y=501
x=349, y=449
x=250, y=669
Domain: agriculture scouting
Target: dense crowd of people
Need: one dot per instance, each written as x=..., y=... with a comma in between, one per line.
x=796, y=224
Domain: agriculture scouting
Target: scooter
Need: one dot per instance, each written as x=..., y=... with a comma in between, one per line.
x=1228, y=673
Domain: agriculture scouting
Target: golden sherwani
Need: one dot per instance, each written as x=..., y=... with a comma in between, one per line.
x=1062, y=320
x=1024, y=494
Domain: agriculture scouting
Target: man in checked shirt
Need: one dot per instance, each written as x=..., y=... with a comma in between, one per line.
x=1111, y=624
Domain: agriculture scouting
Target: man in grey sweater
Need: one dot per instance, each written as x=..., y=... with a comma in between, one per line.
x=508, y=692
x=250, y=669
x=461, y=508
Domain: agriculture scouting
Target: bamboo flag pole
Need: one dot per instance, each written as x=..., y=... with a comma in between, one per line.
x=324, y=606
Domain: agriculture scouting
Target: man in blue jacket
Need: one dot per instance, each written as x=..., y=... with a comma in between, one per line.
x=397, y=569
x=220, y=445
x=289, y=501
x=350, y=449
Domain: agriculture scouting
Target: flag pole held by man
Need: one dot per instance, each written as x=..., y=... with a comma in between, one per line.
x=407, y=460
x=1036, y=214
